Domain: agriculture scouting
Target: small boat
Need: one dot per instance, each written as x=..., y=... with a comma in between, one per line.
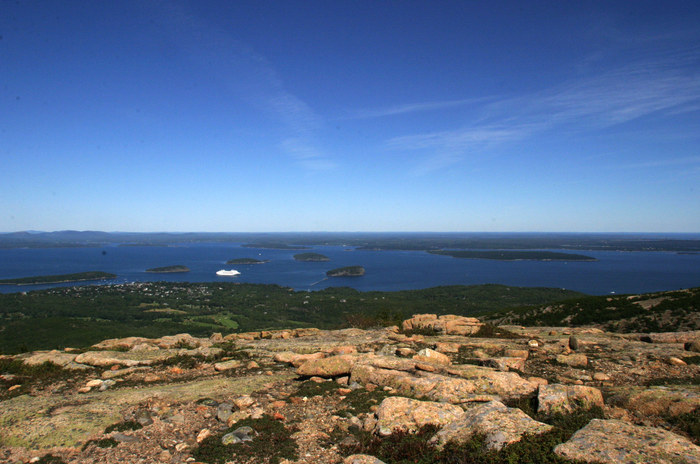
x=230, y=273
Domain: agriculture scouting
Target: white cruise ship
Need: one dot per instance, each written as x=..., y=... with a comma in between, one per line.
x=230, y=273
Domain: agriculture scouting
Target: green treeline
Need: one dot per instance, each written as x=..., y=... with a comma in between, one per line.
x=81, y=316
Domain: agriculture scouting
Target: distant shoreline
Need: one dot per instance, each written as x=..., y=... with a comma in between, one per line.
x=60, y=278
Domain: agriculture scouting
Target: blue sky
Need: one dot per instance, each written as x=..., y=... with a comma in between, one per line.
x=350, y=116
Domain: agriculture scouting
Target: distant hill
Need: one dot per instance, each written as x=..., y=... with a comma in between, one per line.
x=650, y=312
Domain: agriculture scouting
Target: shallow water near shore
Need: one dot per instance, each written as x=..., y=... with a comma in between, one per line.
x=614, y=271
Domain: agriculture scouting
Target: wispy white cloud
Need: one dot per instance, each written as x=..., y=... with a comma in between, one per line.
x=414, y=108
x=251, y=77
x=659, y=86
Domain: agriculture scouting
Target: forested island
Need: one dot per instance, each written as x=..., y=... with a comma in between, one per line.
x=348, y=271
x=169, y=269
x=247, y=261
x=59, y=279
x=311, y=257
x=275, y=246
x=513, y=255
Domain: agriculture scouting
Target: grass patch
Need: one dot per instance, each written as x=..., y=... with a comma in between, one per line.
x=50, y=459
x=101, y=443
x=309, y=388
x=271, y=444
x=360, y=401
x=123, y=426
x=489, y=330
x=31, y=376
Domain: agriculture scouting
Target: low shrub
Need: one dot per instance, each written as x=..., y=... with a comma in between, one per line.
x=271, y=444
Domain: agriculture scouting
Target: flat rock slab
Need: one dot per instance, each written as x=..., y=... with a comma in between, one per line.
x=406, y=414
x=66, y=421
x=128, y=359
x=558, y=398
x=617, y=442
x=500, y=424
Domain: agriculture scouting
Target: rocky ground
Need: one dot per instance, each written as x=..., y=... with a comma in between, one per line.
x=312, y=396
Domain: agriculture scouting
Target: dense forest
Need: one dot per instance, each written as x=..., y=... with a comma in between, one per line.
x=80, y=316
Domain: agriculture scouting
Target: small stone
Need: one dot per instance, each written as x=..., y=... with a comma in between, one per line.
x=533, y=343
x=342, y=380
x=15, y=387
x=252, y=365
x=278, y=416
x=203, y=434
x=573, y=360
x=230, y=439
x=279, y=404
x=243, y=402
x=164, y=456
x=106, y=384
x=244, y=433
x=224, y=411
x=674, y=361
x=84, y=389
x=573, y=343
x=227, y=365
x=692, y=346
x=123, y=438
x=180, y=447
x=601, y=376
x=152, y=378
x=362, y=459
x=143, y=417
x=94, y=383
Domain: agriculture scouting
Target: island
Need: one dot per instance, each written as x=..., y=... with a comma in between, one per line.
x=513, y=255
x=169, y=269
x=247, y=261
x=275, y=246
x=348, y=271
x=311, y=257
x=60, y=278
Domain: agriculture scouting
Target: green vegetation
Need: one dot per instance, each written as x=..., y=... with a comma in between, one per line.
x=60, y=278
x=169, y=269
x=247, y=261
x=101, y=443
x=652, y=312
x=271, y=442
x=50, y=459
x=16, y=372
x=347, y=271
x=123, y=426
x=511, y=255
x=311, y=257
x=82, y=316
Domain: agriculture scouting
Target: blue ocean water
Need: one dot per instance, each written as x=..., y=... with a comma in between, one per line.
x=619, y=272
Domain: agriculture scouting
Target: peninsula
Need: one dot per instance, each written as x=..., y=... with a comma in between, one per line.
x=60, y=278
x=311, y=257
x=348, y=271
x=513, y=255
x=247, y=261
x=169, y=269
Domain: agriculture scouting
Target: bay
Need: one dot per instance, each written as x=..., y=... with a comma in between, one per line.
x=613, y=272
